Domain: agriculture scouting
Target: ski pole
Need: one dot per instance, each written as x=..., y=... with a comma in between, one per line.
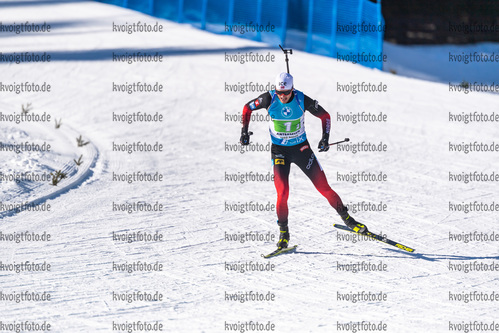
x=335, y=143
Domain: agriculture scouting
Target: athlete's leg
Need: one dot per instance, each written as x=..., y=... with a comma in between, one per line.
x=281, y=182
x=308, y=163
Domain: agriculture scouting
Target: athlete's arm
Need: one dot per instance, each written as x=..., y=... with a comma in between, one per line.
x=314, y=108
x=262, y=101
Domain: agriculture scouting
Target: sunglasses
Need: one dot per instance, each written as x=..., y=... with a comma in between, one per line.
x=284, y=92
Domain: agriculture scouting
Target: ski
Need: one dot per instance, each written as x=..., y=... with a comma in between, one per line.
x=280, y=251
x=377, y=237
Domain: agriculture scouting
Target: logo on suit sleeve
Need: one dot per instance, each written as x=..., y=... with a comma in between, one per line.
x=279, y=161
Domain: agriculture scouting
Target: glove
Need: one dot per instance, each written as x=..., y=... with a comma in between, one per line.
x=245, y=137
x=324, y=143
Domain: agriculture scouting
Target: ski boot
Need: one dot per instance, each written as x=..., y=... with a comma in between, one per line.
x=283, y=236
x=351, y=223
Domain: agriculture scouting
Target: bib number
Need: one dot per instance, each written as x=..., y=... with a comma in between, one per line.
x=289, y=126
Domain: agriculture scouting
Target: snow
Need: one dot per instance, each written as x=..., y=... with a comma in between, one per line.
x=195, y=223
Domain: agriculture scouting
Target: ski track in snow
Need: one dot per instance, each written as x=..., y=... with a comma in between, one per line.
x=194, y=221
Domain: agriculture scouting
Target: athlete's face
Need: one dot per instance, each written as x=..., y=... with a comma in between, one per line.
x=284, y=96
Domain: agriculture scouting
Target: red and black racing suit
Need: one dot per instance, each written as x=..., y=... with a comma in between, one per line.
x=300, y=154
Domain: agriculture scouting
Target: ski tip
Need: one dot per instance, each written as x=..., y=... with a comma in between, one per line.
x=405, y=248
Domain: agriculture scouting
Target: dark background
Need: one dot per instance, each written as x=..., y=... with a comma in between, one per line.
x=423, y=21
x=430, y=22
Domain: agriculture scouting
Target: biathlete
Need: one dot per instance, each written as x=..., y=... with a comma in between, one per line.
x=286, y=107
